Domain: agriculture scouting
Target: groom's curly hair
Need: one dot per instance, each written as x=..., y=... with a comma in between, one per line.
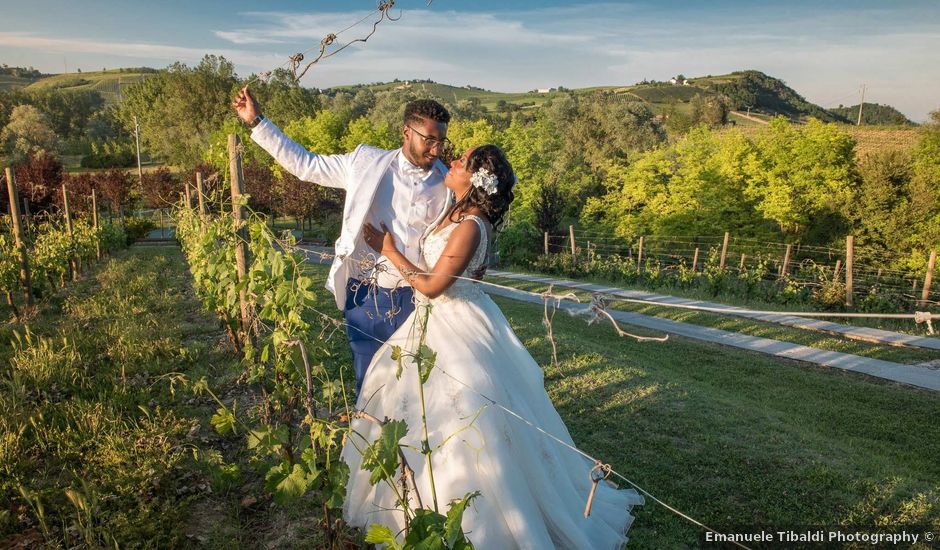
x=495, y=206
x=428, y=109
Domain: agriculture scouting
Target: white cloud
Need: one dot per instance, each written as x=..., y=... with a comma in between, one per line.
x=823, y=52
x=132, y=50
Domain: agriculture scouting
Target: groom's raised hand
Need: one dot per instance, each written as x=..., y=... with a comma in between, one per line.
x=246, y=105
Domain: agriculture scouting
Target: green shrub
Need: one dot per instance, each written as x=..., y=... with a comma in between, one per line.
x=137, y=228
x=518, y=244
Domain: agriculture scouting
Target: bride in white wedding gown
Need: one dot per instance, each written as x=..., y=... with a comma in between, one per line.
x=533, y=489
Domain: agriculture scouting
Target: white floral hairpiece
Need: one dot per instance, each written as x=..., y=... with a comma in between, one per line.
x=485, y=180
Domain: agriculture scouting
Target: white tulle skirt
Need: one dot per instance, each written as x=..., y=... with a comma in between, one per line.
x=533, y=489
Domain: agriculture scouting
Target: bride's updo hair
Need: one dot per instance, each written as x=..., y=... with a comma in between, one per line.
x=494, y=206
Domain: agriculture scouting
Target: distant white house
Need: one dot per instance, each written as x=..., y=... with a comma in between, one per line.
x=676, y=81
x=545, y=90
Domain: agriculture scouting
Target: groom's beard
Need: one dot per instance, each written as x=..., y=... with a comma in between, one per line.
x=421, y=161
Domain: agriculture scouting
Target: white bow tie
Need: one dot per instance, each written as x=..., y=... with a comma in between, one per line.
x=409, y=169
x=414, y=171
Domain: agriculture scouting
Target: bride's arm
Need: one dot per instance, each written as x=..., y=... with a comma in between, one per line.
x=457, y=254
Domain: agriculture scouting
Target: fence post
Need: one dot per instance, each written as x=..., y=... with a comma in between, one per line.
x=546, y=243
x=18, y=235
x=94, y=222
x=928, y=279
x=724, y=253
x=73, y=265
x=241, y=249
x=741, y=266
x=189, y=197
x=786, y=262
x=201, y=191
x=26, y=216
x=849, y=260
x=695, y=260
x=639, y=255
x=571, y=238
x=838, y=270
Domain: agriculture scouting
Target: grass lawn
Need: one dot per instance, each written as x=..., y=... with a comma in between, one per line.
x=734, y=438
x=748, y=326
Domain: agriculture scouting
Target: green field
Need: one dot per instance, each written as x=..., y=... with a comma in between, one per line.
x=108, y=83
x=9, y=82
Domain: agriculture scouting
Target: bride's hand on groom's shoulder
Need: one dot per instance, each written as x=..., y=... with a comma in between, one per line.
x=380, y=240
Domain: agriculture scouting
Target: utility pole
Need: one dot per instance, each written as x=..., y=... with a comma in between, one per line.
x=860, y=105
x=140, y=171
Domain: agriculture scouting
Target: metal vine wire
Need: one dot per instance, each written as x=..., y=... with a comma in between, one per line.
x=296, y=61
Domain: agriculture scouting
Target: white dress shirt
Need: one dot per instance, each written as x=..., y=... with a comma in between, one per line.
x=407, y=201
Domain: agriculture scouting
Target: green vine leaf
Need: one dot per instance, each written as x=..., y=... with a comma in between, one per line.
x=288, y=484
x=224, y=420
x=396, y=356
x=338, y=477
x=381, y=457
x=453, y=531
x=380, y=534
x=426, y=530
x=425, y=359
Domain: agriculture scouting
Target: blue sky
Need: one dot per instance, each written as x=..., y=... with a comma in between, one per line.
x=825, y=50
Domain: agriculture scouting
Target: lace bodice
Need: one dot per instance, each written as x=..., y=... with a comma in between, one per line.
x=434, y=245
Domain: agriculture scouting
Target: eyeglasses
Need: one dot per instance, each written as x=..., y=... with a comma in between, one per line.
x=445, y=144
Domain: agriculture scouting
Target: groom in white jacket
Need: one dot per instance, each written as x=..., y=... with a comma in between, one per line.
x=402, y=189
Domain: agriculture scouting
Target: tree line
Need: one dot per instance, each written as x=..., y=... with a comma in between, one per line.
x=591, y=159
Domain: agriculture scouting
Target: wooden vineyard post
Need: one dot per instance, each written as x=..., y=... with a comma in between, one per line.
x=574, y=251
x=241, y=250
x=695, y=260
x=724, y=253
x=189, y=197
x=639, y=255
x=546, y=243
x=201, y=192
x=838, y=270
x=26, y=216
x=73, y=265
x=94, y=222
x=849, y=259
x=786, y=262
x=20, y=239
x=741, y=265
x=928, y=279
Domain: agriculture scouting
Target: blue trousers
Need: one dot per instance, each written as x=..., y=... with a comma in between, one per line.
x=373, y=314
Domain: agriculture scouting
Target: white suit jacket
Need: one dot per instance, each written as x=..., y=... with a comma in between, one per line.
x=359, y=173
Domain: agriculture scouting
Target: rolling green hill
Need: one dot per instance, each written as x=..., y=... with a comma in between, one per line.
x=763, y=95
x=108, y=83
x=873, y=114
x=10, y=82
